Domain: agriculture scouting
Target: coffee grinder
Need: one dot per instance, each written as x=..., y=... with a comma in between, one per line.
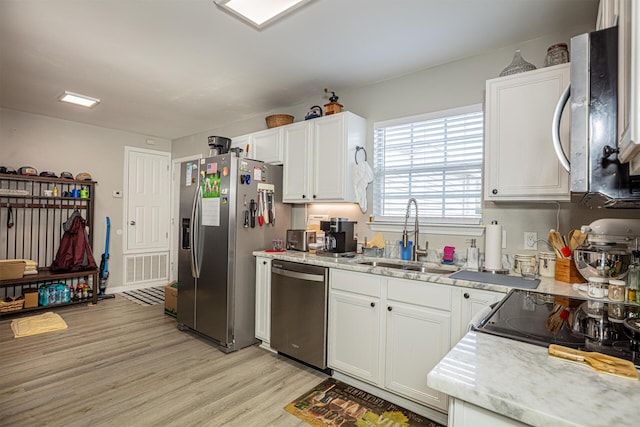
x=339, y=239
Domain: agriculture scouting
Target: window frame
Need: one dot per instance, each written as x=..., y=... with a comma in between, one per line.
x=453, y=226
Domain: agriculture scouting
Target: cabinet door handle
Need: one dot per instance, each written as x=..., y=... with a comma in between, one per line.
x=494, y=191
x=373, y=304
x=389, y=308
x=132, y=223
x=466, y=295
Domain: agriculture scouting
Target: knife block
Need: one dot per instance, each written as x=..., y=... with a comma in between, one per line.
x=566, y=271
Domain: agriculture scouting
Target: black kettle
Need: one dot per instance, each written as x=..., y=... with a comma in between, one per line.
x=315, y=112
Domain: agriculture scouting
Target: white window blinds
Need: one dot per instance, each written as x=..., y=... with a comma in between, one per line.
x=435, y=158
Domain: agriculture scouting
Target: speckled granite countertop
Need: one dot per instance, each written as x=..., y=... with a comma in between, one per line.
x=521, y=381
x=547, y=285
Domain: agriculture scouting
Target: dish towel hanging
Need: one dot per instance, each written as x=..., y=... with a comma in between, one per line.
x=362, y=175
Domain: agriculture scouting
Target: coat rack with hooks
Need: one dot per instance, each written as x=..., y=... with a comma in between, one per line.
x=31, y=227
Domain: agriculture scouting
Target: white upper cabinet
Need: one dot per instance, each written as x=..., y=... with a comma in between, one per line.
x=520, y=162
x=318, y=157
x=265, y=145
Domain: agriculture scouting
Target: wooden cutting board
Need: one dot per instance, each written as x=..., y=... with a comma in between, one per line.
x=598, y=361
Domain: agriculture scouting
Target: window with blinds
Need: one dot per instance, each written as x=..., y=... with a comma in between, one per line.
x=435, y=158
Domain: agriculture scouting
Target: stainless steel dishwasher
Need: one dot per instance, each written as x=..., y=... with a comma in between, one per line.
x=299, y=295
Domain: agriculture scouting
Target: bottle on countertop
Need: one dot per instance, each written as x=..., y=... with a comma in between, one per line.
x=473, y=256
x=633, y=278
x=55, y=190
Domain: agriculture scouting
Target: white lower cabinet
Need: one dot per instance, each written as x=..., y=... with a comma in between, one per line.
x=355, y=323
x=263, y=300
x=389, y=332
x=472, y=302
x=418, y=336
x=464, y=414
x=355, y=332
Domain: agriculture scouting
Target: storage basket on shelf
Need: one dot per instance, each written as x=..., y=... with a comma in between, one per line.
x=276, y=120
x=11, y=269
x=11, y=304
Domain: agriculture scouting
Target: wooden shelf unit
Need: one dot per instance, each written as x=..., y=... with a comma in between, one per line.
x=37, y=229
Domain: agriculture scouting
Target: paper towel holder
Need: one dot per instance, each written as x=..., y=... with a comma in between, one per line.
x=491, y=270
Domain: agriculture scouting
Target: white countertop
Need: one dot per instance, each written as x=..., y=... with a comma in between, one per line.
x=521, y=381
x=547, y=285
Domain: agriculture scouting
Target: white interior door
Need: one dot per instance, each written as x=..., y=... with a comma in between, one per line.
x=149, y=191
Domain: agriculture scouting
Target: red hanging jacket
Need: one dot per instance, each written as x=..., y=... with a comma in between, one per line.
x=74, y=253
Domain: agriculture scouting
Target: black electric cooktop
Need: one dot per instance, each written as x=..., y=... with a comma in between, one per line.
x=538, y=318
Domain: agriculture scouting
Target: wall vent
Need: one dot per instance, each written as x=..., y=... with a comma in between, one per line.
x=144, y=268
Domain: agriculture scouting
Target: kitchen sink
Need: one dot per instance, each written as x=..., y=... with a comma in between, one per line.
x=408, y=266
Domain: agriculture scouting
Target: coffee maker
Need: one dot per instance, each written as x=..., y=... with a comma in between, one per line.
x=339, y=238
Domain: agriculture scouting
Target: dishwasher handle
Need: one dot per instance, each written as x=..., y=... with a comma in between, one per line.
x=297, y=275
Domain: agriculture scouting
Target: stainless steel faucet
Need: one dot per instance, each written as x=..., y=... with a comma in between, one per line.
x=416, y=251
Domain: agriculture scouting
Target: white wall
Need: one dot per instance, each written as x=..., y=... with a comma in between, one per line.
x=59, y=145
x=449, y=85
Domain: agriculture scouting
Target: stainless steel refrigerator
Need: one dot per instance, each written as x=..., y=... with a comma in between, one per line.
x=229, y=207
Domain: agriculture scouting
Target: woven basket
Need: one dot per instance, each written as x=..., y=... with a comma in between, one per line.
x=278, y=120
x=16, y=304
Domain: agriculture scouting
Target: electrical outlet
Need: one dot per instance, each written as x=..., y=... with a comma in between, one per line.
x=531, y=240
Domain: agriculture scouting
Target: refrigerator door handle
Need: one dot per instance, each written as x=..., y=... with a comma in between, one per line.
x=195, y=228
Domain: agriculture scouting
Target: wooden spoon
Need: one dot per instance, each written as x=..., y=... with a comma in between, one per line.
x=555, y=239
x=576, y=239
x=598, y=361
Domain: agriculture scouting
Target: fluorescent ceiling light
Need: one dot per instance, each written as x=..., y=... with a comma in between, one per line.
x=260, y=13
x=76, y=98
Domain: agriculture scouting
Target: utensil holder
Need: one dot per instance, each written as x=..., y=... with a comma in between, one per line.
x=566, y=271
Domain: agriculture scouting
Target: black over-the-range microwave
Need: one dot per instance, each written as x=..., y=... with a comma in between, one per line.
x=604, y=151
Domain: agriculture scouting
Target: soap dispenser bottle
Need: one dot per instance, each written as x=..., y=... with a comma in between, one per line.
x=473, y=255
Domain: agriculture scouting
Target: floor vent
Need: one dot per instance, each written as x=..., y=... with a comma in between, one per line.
x=143, y=268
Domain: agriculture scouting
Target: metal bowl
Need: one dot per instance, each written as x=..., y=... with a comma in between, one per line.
x=597, y=262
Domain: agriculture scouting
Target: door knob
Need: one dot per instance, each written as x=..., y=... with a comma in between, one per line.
x=132, y=223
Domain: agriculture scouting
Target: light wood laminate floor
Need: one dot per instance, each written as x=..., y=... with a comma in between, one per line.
x=122, y=364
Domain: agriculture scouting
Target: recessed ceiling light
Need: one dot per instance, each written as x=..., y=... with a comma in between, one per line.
x=77, y=99
x=260, y=13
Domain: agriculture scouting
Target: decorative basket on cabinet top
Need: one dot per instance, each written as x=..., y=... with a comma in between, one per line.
x=276, y=120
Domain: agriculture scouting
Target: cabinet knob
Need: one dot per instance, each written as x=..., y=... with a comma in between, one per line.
x=389, y=308
x=132, y=223
x=466, y=295
x=304, y=196
x=373, y=304
x=264, y=262
x=314, y=196
x=494, y=191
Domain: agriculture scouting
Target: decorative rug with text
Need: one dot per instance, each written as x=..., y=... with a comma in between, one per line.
x=333, y=403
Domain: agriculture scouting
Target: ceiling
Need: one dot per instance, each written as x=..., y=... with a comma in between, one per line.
x=171, y=68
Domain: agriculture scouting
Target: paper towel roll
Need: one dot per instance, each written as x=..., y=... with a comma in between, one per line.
x=493, y=247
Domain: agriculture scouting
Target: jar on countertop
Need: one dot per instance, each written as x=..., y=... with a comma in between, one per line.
x=547, y=264
x=597, y=286
x=525, y=265
x=616, y=290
